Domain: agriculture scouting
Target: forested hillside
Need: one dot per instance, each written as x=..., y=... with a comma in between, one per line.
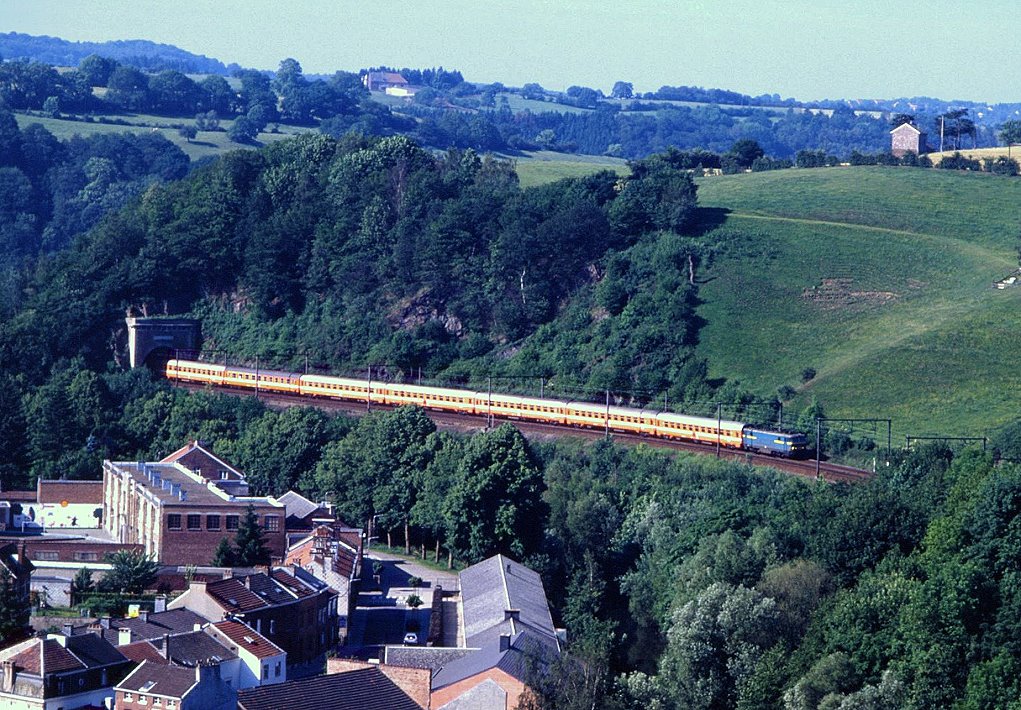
x=683, y=582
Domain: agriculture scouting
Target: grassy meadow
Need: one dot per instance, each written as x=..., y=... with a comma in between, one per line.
x=543, y=166
x=207, y=143
x=881, y=280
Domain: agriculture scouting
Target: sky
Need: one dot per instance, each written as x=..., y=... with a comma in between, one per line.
x=805, y=49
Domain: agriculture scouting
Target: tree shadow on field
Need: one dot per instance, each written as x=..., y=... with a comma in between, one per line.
x=707, y=219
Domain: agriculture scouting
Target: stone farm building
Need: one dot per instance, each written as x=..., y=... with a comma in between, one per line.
x=907, y=138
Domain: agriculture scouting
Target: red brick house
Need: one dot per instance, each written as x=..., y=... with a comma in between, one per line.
x=383, y=80
x=154, y=685
x=908, y=138
x=288, y=606
x=179, y=509
x=60, y=671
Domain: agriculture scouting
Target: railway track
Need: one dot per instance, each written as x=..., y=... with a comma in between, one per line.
x=468, y=423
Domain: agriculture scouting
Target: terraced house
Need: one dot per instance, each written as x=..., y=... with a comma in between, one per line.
x=288, y=606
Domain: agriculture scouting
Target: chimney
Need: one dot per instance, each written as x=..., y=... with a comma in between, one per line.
x=7, y=676
x=42, y=658
x=505, y=642
x=207, y=671
x=159, y=604
x=104, y=622
x=143, y=614
x=123, y=636
x=67, y=629
x=512, y=615
x=166, y=646
x=22, y=552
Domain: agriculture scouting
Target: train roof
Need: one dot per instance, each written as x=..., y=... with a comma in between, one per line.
x=329, y=379
x=196, y=363
x=699, y=421
x=518, y=399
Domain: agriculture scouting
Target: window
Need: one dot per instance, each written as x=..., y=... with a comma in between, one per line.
x=212, y=522
x=272, y=523
x=174, y=521
x=232, y=522
x=272, y=626
x=194, y=522
x=277, y=669
x=45, y=555
x=265, y=671
x=86, y=556
x=129, y=697
x=157, y=702
x=224, y=475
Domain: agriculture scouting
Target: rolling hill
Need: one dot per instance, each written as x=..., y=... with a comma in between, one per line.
x=879, y=279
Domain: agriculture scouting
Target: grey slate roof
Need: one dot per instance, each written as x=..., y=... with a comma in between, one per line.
x=168, y=681
x=492, y=587
x=156, y=625
x=431, y=657
x=191, y=648
x=528, y=654
x=297, y=505
x=365, y=689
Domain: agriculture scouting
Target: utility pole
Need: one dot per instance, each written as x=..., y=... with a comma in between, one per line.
x=719, y=425
x=818, y=452
x=607, y=414
x=942, y=120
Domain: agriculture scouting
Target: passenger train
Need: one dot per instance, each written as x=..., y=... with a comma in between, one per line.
x=648, y=422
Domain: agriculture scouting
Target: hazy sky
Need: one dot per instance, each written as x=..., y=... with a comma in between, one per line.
x=808, y=49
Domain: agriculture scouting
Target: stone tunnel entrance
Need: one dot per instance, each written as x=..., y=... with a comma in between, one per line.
x=153, y=341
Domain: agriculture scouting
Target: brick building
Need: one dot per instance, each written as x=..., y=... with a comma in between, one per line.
x=908, y=138
x=60, y=672
x=153, y=685
x=363, y=689
x=332, y=553
x=180, y=508
x=290, y=607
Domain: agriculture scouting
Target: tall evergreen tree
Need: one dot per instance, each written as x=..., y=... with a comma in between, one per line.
x=14, y=610
x=224, y=556
x=249, y=544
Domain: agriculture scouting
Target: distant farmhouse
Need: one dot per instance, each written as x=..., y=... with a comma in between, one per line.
x=383, y=80
x=908, y=138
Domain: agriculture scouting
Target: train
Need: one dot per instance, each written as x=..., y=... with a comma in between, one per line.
x=646, y=422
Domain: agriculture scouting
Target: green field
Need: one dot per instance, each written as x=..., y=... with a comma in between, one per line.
x=545, y=166
x=881, y=280
x=205, y=144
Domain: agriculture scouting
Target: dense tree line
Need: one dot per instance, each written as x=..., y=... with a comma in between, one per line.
x=139, y=53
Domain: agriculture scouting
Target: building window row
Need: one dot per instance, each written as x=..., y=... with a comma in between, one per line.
x=213, y=522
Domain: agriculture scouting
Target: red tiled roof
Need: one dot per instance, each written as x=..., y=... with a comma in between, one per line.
x=300, y=554
x=232, y=594
x=291, y=583
x=58, y=659
x=247, y=639
x=84, y=492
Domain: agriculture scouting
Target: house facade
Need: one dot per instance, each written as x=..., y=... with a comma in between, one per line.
x=152, y=685
x=179, y=514
x=288, y=606
x=60, y=672
x=908, y=138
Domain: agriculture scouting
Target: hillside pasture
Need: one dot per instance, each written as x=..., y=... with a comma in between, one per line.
x=541, y=167
x=207, y=143
x=880, y=279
